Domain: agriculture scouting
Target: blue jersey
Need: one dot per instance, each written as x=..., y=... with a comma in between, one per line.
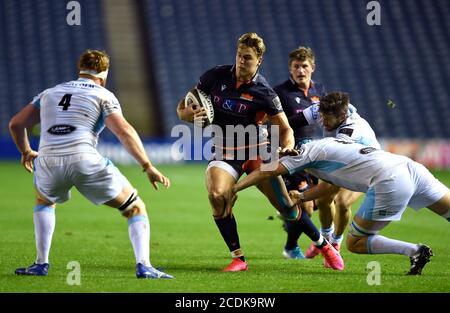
x=239, y=103
x=294, y=100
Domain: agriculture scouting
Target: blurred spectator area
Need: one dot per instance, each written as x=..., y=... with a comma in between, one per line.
x=159, y=48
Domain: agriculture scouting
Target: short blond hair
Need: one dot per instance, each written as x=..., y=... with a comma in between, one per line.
x=252, y=40
x=302, y=54
x=93, y=60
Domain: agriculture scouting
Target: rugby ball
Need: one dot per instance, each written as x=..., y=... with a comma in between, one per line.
x=197, y=97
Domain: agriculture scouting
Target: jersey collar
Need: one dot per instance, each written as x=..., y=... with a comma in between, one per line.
x=253, y=80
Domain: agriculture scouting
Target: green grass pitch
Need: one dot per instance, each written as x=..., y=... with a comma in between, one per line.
x=186, y=243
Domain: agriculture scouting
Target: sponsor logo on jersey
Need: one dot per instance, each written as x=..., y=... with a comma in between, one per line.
x=234, y=106
x=297, y=99
x=223, y=87
x=276, y=101
x=367, y=150
x=315, y=112
x=61, y=129
x=346, y=131
x=386, y=212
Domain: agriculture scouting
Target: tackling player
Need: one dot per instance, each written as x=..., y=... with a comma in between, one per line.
x=391, y=183
x=339, y=119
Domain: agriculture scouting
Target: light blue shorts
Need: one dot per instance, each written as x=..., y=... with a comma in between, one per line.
x=93, y=175
x=410, y=184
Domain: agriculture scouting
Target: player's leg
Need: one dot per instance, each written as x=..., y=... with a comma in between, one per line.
x=102, y=183
x=343, y=203
x=134, y=210
x=362, y=235
x=363, y=238
x=275, y=190
x=442, y=207
x=51, y=187
x=297, y=182
x=385, y=202
x=44, y=226
x=430, y=192
x=326, y=210
x=294, y=230
x=220, y=178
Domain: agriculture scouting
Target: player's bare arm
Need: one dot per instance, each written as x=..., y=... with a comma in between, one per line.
x=133, y=144
x=315, y=192
x=287, y=140
x=26, y=118
x=258, y=176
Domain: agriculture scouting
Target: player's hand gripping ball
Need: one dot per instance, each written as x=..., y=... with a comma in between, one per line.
x=195, y=97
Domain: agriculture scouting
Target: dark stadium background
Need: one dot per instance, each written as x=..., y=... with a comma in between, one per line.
x=159, y=48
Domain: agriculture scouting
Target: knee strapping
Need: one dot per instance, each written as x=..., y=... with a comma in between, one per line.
x=44, y=208
x=129, y=203
x=358, y=231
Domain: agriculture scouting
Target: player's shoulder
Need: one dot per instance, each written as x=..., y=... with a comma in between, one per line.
x=262, y=87
x=61, y=87
x=319, y=88
x=106, y=92
x=219, y=73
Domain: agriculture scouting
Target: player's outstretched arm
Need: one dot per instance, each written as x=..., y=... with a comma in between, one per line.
x=25, y=118
x=133, y=144
x=315, y=192
x=258, y=176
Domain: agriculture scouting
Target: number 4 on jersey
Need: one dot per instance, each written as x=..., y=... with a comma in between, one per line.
x=65, y=101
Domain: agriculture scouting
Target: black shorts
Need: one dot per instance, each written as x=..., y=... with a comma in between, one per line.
x=242, y=166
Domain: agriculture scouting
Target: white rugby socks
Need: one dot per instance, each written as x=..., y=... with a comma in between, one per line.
x=336, y=239
x=44, y=226
x=139, y=231
x=377, y=244
x=320, y=241
x=327, y=232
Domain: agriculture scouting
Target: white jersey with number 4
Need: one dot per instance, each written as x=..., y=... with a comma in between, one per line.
x=354, y=128
x=72, y=116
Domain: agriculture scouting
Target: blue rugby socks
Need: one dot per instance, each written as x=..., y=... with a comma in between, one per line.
x=294, y=230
